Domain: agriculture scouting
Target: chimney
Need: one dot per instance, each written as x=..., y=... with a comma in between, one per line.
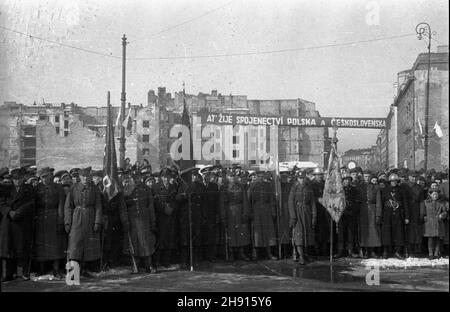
x=442, y=49
x=214, y=92
x=151, y=97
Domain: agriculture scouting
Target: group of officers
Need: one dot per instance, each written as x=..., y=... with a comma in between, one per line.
x=183, y=218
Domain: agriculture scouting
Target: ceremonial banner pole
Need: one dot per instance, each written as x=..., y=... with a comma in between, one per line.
x=330, y=163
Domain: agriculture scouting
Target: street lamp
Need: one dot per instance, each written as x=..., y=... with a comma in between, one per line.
x=421, y=30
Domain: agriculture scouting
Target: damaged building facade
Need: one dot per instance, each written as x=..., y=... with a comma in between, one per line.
x=67, y=135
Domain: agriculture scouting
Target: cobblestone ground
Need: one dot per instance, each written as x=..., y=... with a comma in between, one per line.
x=265, y=276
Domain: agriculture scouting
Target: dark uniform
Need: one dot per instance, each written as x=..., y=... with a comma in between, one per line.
x=348, y=224
x=17, y=227
x=322, y=230
x=284, y=230
x=235, y=214
x=190, y=197
x=263, y=211
x=211, y=221
x=166, y=208
x=139, y=223
x=50, y=239
x=112, y=230
x=393, y=218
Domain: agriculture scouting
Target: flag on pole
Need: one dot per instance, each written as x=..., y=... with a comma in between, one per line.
x=185, y=120
x=333, y=194
x=128, y=122
x=111, y=180
x=419, y=136
x=117, y=120
x=438, y=130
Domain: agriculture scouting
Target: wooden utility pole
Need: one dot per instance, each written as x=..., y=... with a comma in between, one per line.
x=122, y=108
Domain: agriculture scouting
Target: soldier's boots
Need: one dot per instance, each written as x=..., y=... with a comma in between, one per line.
x=373, y=254
x=397, y=253
x=242, y=255
x=301, y=256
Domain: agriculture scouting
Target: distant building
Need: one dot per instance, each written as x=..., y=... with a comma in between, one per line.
x=402, y=144
x=361, y=157
x=67, y=135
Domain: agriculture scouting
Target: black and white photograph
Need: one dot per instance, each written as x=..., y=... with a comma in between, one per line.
x=233, y=148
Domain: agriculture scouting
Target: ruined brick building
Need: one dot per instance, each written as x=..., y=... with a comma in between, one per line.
x=67, y=135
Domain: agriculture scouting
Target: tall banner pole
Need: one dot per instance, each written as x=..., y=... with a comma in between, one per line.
x=330, y=164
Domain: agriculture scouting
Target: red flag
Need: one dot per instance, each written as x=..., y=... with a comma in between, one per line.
x=110, y=181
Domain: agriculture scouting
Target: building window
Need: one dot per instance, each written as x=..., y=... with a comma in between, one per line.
x=66, y=133
x=145, y=152
x=66, y=124
x=235, y=154
x=56, y=118
x=145, y=138
x=234, y=139
x=42, y=117
x=146, y=123
x=253, y=162
x=57, y=130
x=66, y=114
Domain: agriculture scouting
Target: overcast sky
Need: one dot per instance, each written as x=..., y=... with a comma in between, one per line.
x=344, y=81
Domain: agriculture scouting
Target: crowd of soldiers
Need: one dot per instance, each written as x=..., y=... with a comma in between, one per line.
x=173, y=218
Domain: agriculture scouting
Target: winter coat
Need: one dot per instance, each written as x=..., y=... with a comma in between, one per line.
x=414, y=230
x=394, y=214
x=82, y=210
x=192, y=194
x=435, y=212
x=303, y=213
x=166, y=208
x=284, y=230
x=50, y=238
x=235, y=215
x=261, y=198
x=16, y=232
x=211, y=215
x=370, y=209
x=139, y=218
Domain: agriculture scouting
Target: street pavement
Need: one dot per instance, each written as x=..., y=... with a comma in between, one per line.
x=345, y=274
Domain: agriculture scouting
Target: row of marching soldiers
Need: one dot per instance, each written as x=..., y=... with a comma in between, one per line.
x=172, y=217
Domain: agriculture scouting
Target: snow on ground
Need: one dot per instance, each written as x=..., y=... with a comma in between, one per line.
x=406, y=263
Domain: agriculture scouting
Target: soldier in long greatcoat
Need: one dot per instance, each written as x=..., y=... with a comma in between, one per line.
x=166, y=208
x=303, y=215
x=50, y=239
x=394, y=217
x=83, y=219
x=261, y=198
x=370, y=216
x=348, y=223
x=191, y=199
x=235, y=215
x=414, y=230
x=211, y=218
x=284, y=231
x=139, y=220
x=6, y=191
x=17, y=224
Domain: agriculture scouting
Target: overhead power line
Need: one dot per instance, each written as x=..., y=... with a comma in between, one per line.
x=269, y=52
x=181, y=24
x=60, y=43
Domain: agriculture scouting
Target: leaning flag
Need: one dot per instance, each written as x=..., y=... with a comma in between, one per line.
x=128, y=123
x=118, y=119
x=419, y=136
x=438, y=130
x=333, y=194
x=111, y=180
x=185, y=120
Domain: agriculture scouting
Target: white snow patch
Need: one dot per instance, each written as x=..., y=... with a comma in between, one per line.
x=406, y=263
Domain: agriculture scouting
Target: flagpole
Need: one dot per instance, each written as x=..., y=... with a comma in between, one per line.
x=333, y=150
